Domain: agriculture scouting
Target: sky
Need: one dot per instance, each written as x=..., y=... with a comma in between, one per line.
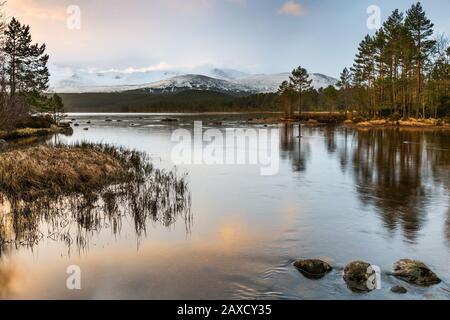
x=255, y=36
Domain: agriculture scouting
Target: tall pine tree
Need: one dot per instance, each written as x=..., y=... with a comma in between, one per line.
x=301, y=83
x=27, y=74
x=421, y=30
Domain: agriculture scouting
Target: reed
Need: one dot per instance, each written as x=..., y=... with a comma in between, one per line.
x=71, y=191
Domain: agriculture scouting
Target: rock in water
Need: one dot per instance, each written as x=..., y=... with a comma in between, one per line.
x=3, y=144
x=357, y=274
x=313, y=268
x=399, y=290
x=415, y=272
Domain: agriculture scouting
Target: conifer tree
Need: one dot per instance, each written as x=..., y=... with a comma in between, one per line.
x=286, y=94
x=421, y=30
x=27, y=74
x=345, y=84
x=301, y=83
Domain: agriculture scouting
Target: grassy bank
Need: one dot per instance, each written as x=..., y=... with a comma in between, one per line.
x=35, y=126
x=408, y=123
x=77, y=189
x=354, y=120
x=34, y=132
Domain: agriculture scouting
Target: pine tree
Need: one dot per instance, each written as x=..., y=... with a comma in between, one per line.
x=364, y=72
x=421, y=29
x=393, y=28
x=345, y=84
x=301, y=83
x=286, y=93
x=55, y=106
x=26, y=65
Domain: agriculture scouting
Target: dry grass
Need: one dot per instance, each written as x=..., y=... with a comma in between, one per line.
x=33, y=132
x=51, y=171
x=71, y=191
x=410, y=122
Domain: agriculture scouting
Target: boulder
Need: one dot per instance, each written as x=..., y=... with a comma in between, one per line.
x=3, y=144
x=313, y=268
x=399, y=290
x=169, y=120
x=356, y=275
x=415, y=272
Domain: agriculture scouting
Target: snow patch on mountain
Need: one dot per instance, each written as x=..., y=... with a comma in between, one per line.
x=270, y=83
x=66, y=80
x=194, y=82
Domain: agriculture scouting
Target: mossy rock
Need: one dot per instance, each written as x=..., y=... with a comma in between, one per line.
x=356, y=275
x=399, y=290
x=415, y=272
x=313, y=268
x=3, y=144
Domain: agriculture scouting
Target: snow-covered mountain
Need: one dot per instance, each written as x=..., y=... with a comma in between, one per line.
x=167, y=81
x=271, y=82
x=192, y=82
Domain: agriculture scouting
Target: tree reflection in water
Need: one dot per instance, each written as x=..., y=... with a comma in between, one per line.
x=293, y=148
x=392, y=168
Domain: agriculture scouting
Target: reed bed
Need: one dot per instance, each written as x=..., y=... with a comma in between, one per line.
x=67, y=193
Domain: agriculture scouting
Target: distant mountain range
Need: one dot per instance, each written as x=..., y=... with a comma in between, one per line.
x=206, y=79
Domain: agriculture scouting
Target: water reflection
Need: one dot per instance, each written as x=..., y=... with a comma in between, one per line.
x=391, y=171
x=391, y=168
x=149, y=196
x=376, y=195
x=293, y=148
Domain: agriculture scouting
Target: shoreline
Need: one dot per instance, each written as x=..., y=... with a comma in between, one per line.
x=24, y=133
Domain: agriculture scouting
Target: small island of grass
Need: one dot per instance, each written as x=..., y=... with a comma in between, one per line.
x=84, y=185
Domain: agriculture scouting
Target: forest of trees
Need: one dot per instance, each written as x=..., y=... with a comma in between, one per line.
x=24, y=75
x=403, y=70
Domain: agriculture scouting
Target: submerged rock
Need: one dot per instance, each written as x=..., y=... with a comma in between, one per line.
x=356, y=275
x=415, y=272
x=399, y=290
x=313, y=268
x=169, y=120
x=3, y=144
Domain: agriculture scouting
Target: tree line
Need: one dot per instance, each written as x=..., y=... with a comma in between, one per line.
x=24, y=75
x=402, y=70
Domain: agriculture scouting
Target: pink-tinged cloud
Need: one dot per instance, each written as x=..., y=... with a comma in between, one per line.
x=32, y=9
x=291, y=8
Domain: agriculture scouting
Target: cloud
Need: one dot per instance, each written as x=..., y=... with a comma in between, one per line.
x=239, y=2
x=291, y=8
x=162, y=66
x=31, y=9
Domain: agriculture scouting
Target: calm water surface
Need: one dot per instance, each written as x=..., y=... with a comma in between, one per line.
x=342, y=194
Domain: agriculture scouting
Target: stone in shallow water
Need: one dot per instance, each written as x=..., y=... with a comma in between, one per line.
x=356, y=275
x=399, y=290
x=415, y=272
x=3, y=144
x=313, y=268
